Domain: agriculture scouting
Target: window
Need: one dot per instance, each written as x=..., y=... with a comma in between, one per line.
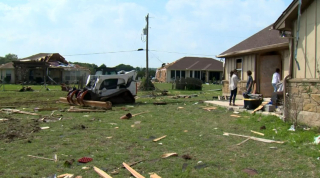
x=178, y=74
x=183, y=74
x=191, y=73
x=109, y=84
x=197, y=74
x=239, y=67
x=173, y=74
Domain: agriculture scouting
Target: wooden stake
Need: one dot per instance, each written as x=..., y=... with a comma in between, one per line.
x=101, y=172
x=132, y=171
x=243, y=141
x=20, y=112
x=259, y=133
x=41, y=158
x=254, y=138
x=157, y=139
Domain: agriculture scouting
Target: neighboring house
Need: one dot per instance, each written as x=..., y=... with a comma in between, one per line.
x=261, y=53
x=48, y=68
x=7, y=73
x=302, y=84
x=205, y=69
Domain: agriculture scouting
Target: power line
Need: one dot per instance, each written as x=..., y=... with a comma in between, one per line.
x=182, y=53
x=99, y=53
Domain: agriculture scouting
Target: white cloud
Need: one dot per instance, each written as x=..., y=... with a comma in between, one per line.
x=186, y=26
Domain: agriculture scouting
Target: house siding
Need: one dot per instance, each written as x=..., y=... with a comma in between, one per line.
x=248, y=63
x=309, y=43
x=3, y=74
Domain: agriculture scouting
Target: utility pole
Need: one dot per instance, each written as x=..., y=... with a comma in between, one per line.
x=147, y=50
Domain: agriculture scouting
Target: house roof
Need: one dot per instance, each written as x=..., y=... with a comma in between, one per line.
x=8, y=65
x=290, y=14
x=45, y=57
x=263, y=40
x=196, y=63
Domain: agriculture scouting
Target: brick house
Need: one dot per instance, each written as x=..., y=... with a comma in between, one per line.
x=205, y=69
x=301, y=24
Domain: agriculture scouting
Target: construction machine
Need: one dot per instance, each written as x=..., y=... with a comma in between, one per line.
x=101, y=88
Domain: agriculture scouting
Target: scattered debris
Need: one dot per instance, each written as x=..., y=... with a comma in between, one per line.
x=45, y=109
x=254, y=138
x=42, y=158
x=154, y=175
x=85, y=168
x=306, y=128
x=134, y=163
x=187, y=157
x=250, y=171
x=263, y=127
x=84, y=110
x=109, y=137
x=292, y=128
x=184, y=166
x=235, y=116
x=273, y=147
x=200, y=166
x=235, y=112
x=243, y=141
x=275, y=130
x=139, y=113
x=316, y=140
x=2, y=120
x=209, y=108
x=180, y=107
x=101, y=172
x=28, y=88
x=68, y=163
x=259, y=107
x=43, y=128
x=65, y=175
x=132, y=171
x=99, y=104
x=18, y=111
x=114, y=172
x=127, y=116
x=85, y=160
x=259, y=133
x=185, y=131
x=166, y=155
x=160, y=103
x=157, y=139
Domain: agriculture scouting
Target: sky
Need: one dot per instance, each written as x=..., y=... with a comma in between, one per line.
x=110, y=32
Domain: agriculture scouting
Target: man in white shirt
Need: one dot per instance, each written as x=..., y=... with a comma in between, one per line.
x=275, y=79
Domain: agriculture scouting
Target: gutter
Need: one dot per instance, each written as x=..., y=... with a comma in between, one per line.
x=289, y=76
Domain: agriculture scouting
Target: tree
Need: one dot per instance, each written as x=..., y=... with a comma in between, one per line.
x=91, y=67
x=8, y=58
x=124, y=67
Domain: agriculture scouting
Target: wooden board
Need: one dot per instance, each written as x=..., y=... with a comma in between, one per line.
x=99, y=104
x=259, y=107
x=101, y=172
x=132, y=171
x=253, y=138
x=157, y=139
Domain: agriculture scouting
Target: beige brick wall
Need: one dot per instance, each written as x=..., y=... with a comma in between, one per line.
x=303, y=95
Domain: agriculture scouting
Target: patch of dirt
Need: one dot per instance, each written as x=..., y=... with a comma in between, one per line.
x=13, y=129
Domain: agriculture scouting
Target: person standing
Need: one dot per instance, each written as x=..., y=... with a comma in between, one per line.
x=249, y=82
x=233, y=86
x=275, y=79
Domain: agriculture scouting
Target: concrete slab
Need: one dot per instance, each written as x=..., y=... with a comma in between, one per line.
x=239, y=107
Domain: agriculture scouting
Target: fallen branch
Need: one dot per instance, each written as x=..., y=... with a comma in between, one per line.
x=254, y=138
x=139, y=113
x=41, y=158
x=132, y=171
x=101, y=172
x=157, y=139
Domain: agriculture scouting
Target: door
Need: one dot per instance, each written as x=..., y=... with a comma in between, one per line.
x=267, y=66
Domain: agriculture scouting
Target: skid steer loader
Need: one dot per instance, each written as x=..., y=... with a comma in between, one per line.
x=105, y=90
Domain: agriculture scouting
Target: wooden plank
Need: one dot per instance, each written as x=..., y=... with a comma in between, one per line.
x=132, y=171
x=99, y=104
x=101, y=172
x=38, y=157
x=259, y=133
x=20, y=112
x=157, y=139
x=154, y=175
x=45, y=109
x=166, y=155
x=85, y=110
x=139, y=113
x=65, y=175
x=254, y=138
x=243, y=141
x=259, y=107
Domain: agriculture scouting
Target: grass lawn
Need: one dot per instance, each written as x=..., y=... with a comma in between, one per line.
x=110, y=141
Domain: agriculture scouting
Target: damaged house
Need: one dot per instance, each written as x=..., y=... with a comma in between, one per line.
x=205, y=69
x=300, y=23
x=261, y=53
x=50, y=68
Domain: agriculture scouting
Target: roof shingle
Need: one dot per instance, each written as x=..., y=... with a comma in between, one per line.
x=196, y=63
